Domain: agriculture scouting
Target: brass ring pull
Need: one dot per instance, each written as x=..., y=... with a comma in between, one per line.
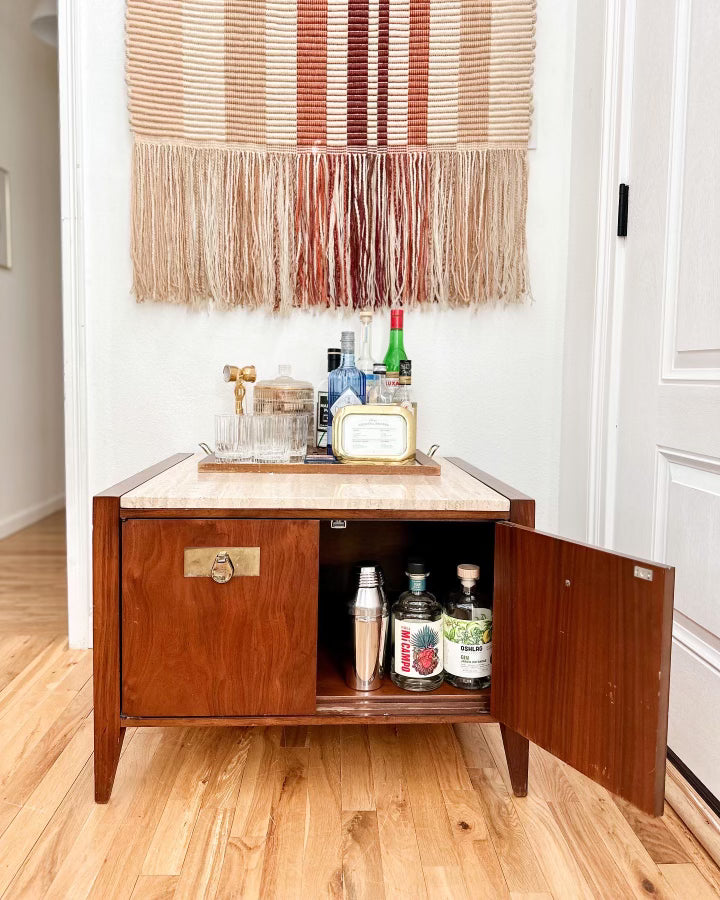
x=222, y=569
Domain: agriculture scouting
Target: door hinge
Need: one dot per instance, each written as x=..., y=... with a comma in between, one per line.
x=623, y=210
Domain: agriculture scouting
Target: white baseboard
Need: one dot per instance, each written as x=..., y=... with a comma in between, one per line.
x=31, y=514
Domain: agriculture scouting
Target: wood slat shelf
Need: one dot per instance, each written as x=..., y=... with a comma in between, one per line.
x=334, y=697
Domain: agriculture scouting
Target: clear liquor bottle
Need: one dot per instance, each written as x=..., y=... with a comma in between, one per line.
x=346, y=384
x=379, y=392
x=365, y=358
x=417, y=647
x=402, y=394
x=467, y=634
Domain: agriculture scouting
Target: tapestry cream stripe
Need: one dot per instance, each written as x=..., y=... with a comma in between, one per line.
x=337, y=73
x=281, y=73
x=203, y=61
x=419, y=50
x=245, y=71
x=398, y=73
x=154, y=69
x=443, y=69
x=474, y=93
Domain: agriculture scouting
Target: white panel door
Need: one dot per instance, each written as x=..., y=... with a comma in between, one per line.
x=667, y=476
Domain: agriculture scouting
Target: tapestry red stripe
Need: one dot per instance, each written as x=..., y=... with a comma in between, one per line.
x=383, y=59
x=357, y=89
x=312, y=73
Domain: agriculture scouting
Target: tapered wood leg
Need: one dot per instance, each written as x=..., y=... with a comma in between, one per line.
x=517, y=753
x=106, y=643
x=108, y=743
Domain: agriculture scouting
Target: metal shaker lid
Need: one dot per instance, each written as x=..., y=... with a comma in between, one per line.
x=369, y=596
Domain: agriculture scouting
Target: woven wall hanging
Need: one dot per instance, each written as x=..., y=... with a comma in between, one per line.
x=330, y=153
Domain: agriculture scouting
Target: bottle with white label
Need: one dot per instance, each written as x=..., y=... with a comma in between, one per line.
x=467, y=634
x=346, y=384
x=417, y=643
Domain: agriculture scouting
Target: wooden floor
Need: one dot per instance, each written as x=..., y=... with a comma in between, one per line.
x=288, y=812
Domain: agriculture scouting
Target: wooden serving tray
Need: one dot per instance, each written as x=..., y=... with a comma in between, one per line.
x=325, y=465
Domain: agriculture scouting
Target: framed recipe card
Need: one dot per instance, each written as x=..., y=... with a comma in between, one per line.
x=374, y=433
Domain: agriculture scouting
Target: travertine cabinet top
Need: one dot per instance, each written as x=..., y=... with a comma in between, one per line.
x=183, y=487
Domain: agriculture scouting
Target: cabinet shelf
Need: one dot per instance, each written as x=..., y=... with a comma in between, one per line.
x=335, y=698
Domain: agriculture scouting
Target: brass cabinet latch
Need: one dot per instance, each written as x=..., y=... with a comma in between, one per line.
x=222, y=569
x=221, y=563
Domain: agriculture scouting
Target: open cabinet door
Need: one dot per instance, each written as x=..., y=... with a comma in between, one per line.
x=581, y=658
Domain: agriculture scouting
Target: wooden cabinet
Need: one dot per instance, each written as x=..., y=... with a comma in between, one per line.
x=195, y=647
x=581, y=638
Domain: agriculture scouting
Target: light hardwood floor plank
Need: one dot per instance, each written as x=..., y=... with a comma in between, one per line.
x=123, y=862
x=37, y=873
x=283, y=860
x=322, y=859
x=473, y=746
x=399, y=852
x=171, y=839
x=81, y=866
x=356, y=769
x=432, y=826
x=155, y=887
x=519, y=864
x=32, y=818
x=362, y=866
x=686, y=881
x=242, y=869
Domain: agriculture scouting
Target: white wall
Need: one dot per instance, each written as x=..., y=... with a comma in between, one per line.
x=31, y=388
x=488, y=381
x=582, y=269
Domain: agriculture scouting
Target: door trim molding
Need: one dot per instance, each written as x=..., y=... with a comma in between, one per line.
x=607, y=319
x=79, y=553
x=693, y=810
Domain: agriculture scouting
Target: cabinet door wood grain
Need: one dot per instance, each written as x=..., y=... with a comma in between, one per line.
x=581, y=658
x=193, y=647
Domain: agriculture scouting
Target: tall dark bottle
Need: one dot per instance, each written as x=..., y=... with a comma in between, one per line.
x=346, y=384
x=321, y=417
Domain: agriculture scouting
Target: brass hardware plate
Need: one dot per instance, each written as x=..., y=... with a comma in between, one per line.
x=199, y=560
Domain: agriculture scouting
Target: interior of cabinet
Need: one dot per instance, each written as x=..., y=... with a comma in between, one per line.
x=442, y=545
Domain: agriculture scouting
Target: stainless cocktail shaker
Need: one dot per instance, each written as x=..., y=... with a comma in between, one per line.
x=368, y=612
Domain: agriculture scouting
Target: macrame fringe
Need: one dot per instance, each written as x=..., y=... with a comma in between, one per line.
x=315, y=230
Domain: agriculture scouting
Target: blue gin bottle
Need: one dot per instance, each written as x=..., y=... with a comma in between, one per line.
x=346, y=384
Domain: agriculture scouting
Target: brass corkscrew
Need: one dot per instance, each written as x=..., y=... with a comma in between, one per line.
x=241, y=376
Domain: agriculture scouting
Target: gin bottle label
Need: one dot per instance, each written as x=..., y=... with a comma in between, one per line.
x=418, y=648
x=347, y=398
x=468, y=645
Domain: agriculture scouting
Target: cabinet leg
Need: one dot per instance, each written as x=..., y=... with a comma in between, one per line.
x=517, y=753
x=108, y=742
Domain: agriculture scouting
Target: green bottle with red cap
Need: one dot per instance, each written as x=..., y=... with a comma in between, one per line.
x=395, y=350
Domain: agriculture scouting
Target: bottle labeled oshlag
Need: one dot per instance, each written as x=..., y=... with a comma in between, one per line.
x=467, y=634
